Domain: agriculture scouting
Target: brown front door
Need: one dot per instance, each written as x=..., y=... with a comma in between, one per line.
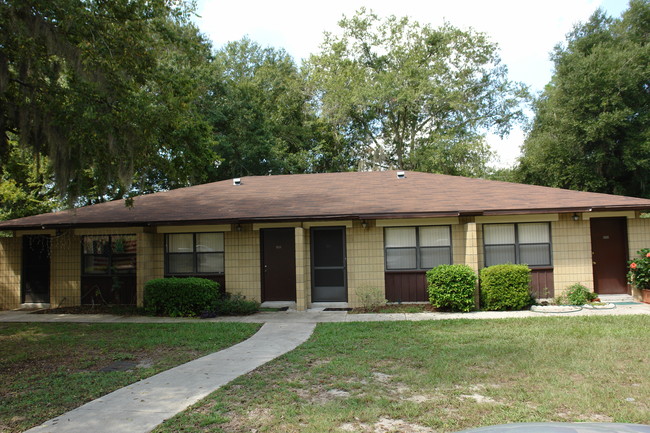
x=609, y=253
x=278, y=265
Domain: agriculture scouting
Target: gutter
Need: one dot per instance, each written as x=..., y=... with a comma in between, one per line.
x=306, y=218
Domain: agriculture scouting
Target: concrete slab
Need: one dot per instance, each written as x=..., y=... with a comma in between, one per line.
x=141, y=406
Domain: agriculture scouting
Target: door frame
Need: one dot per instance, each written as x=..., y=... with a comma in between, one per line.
x=23, y=269
x=342, y=230
x=264, y=289
x=625, y=241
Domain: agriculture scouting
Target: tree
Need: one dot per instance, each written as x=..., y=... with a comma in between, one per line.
x=105, y=89
x=25, y=184
x=261, y=116
x=592, y=122
x=410, y=96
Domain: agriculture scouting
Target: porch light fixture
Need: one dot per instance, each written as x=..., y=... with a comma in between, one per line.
x=364, y=224
x=238, y=227
x=575, y=216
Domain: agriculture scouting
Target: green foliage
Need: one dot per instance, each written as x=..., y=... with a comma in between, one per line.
x=180, y=297
x=262, y=118
x=639, y=270
x=577, y=294
x=411, y=96
x=592, y=123
x=505, y=287
x=25, y=184
x=107, y=90
x=452, y=287
x=236, y=305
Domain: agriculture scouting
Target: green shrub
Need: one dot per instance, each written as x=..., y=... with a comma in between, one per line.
x=577, y=294
x=639, y=270
x=236, y=305
x=180, y=297
x=452, y=287
x=505, y=287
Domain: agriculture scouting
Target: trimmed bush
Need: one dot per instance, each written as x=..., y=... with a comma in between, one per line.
x=505, y=287
x=451, y=287
x=577, y=294
x=236, y=305
x=181, y=297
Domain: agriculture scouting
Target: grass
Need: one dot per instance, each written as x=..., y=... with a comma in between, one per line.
x=49, y=368
x=440, y=376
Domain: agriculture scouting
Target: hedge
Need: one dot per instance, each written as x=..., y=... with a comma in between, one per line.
x=181, y=297
x=452, y=287
x=505, y=287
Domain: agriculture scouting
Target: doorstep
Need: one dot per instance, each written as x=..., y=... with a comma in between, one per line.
x=321, y=306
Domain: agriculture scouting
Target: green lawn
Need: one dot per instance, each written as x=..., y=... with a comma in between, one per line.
x=440, y=376
x=49, y=368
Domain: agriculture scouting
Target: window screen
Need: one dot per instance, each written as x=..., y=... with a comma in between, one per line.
x=523, y=243
x=194, y=253
x=417, y=248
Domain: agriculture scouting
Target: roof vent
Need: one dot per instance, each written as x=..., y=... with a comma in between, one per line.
x=236, y=181
x=401, y=175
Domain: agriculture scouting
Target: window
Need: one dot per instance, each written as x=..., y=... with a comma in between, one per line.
x=417, y=248
x=528, y=244
x=194, y=253
x=109, y=254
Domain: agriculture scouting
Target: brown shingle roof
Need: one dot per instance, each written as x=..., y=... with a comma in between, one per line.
x=364, y=195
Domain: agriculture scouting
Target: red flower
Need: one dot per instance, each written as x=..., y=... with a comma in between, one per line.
x=647, y=255
x=633, y=265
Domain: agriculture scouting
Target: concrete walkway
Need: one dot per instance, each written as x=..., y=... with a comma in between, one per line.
x=317, y=316
x=141, y=406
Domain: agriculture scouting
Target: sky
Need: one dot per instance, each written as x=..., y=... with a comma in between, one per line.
x=525, y=30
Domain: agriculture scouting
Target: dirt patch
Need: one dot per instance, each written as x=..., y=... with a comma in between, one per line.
x=386, y=425
x=420, y=398
x=320, y=395
x=600, y=418
x=382, y=377
x=478, y=398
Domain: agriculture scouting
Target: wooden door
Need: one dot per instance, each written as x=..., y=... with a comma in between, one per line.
x=278, y=264
x=609, y=253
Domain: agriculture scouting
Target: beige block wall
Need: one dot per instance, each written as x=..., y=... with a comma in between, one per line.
x=466, y=242
x=150, y=261
x=572, y=258
x=242, y=262
x=303, y=269
x=365, y=260
x=10, y=265
x=65, y=270
x=638, y=235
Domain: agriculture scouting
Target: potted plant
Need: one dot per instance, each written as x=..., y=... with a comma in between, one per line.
x=639, y=273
